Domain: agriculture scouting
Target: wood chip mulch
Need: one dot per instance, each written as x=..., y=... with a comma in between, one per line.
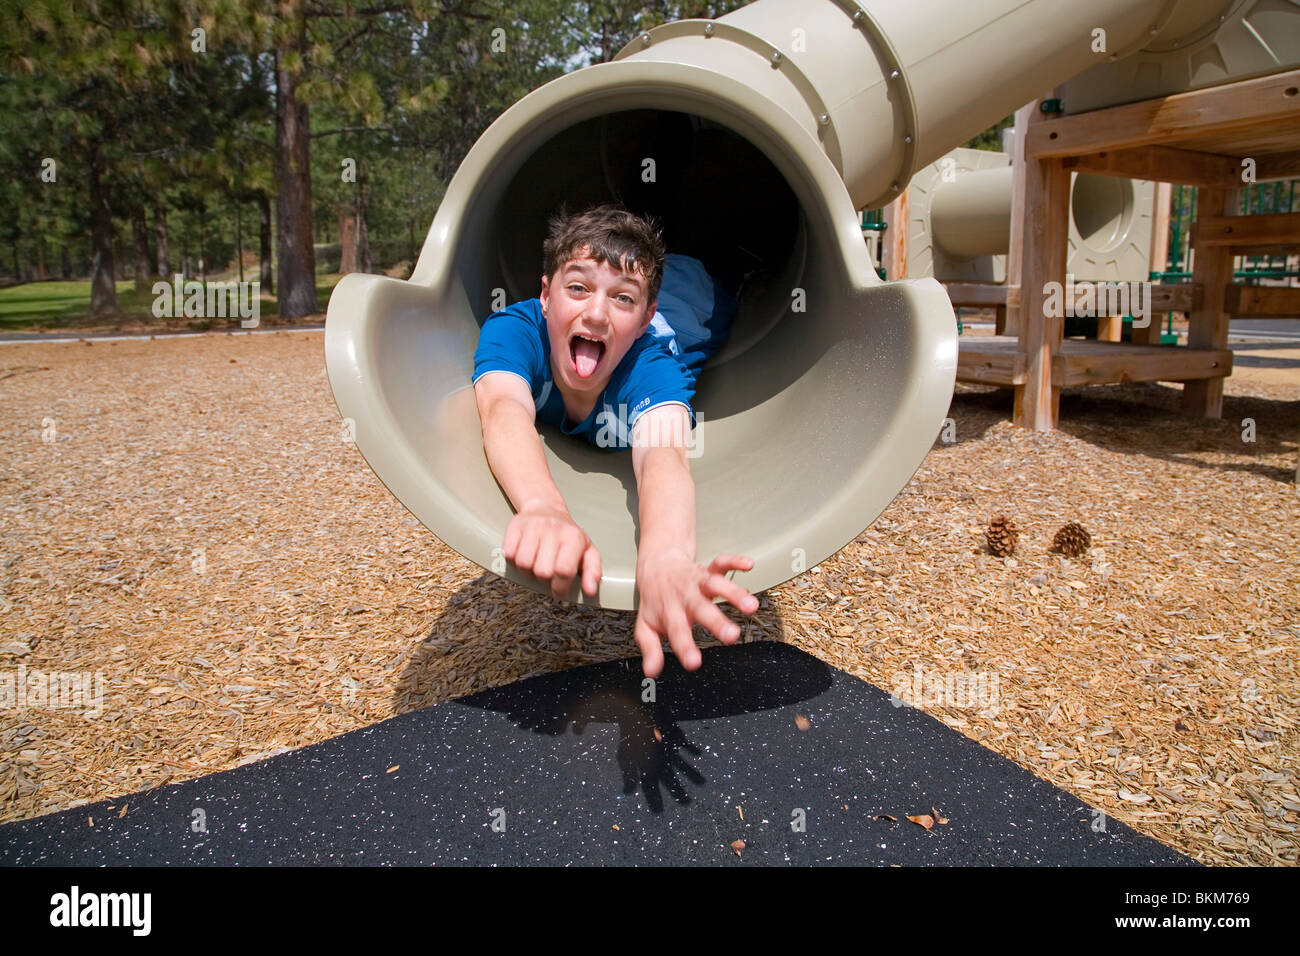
x=184, y=517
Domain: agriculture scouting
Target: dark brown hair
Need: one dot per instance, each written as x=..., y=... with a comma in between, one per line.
x=610, y=234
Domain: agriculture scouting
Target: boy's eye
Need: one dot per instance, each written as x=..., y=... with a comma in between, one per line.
x=630, y=300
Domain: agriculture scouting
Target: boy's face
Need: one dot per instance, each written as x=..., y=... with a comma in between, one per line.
x=590, y=300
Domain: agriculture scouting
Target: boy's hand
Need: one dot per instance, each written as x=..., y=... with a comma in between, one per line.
x=676, y=594
x=545, y=541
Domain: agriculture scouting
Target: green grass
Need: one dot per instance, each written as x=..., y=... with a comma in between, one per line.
x=66, y=306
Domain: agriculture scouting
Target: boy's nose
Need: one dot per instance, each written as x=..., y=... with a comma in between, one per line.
x=598, y=309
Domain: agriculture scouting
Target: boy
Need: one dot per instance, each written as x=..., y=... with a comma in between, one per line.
x=575, y=355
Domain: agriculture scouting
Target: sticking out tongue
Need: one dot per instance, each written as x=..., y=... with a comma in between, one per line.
x=586, y=356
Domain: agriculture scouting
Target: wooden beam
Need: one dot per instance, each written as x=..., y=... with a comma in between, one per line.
x=1262, y=302
x=1279, y=229
x=894, y=246
x=1208, y=324
x=998, y=361
x=985, y=294
x=984, y=361
x=1094, y=298
x=1158, y=259
x=1047, y=231
x=1262, y=102
x=1171, y=297
x=1277, y=166
x=1105, y=363
x=1164, y=163
x=1175, y=297
x=1026, y=116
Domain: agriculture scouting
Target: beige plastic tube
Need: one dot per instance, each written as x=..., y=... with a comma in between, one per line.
x=833, y=386
x=888, y=87
x=972, y=215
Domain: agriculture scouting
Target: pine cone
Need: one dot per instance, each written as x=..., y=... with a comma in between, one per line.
x=1001, y=536
x=1072, y=540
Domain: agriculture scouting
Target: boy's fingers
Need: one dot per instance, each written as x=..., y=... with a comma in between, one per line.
x=730, y=562
x=718, y=586
x=510, y=546
x=544, y=566
x=708, y=615
x=591, y=569
x=652, y=653
x=566, y=567
x=679, y=636
x=526, y=556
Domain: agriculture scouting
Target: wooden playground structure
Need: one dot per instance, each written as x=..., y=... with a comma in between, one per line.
x=1217, y=139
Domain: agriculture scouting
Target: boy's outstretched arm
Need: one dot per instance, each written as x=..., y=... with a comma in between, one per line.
x=675, y=592
x=542, y=537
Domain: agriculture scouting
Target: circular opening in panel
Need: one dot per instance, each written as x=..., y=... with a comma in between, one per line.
x=1103, y=208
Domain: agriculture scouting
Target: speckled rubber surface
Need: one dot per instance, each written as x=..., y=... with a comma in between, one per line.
x=567, y=769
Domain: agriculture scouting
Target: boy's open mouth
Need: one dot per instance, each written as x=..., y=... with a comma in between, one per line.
x=585, y=353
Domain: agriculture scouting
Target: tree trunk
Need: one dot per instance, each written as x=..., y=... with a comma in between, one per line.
x=365, y=261
x=297, y=267
x=267, y=279
x=40, y=258
x=365, y=256
x=65, y=264
x=103, y=291
x=160, y=237
x=239, y=241
x=347, y=241
x=140, y=233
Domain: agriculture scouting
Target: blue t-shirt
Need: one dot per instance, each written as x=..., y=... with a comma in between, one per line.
x=691, y=323
x=694, y=314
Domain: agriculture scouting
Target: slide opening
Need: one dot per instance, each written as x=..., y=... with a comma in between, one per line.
x=716, y=196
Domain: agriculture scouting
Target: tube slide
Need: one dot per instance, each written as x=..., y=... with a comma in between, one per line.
x=959, y=222
x=756, y=137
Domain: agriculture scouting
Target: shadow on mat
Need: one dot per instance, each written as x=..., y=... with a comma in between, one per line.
x=489, y=613
x=654, y=750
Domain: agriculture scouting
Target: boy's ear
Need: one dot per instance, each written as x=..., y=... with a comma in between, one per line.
x=649, y=316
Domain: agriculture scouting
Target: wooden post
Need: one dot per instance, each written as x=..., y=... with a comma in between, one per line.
x=1159, y=256
x=1208, y=325
x=1046, y=234
x=1110, y=328
x=1009, y=318
x=894, y=247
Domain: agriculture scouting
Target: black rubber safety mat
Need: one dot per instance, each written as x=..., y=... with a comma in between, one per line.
x=577, y=768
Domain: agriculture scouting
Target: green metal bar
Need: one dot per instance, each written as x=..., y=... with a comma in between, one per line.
x=1175, y=222
x=1238, y=274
